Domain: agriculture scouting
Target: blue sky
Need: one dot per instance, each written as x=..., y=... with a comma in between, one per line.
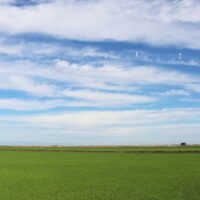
x=92, y=72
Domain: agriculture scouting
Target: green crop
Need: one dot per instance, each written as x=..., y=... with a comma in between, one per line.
x=98, y=176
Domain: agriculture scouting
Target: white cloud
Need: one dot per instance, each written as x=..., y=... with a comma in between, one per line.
x=6, y=1
x=28, y=105
x=31, y=49
x=111, y=84
x=165, y=126
x=174, y=92
x=121, y=75
x=166, y=59
x=27, y=85
x=114, y=118
x=194, y=87
x=158, y=22
x=10, y=49
x=80, y=99
x=88, y=85
x=107, y=99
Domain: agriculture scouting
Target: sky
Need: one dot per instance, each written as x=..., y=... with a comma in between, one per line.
x=99, y=72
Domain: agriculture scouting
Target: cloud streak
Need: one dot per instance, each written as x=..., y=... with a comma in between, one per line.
x=157, y=22
x=99, y=72
x=128, y=127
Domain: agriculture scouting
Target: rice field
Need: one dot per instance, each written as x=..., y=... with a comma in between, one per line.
x=52, y=175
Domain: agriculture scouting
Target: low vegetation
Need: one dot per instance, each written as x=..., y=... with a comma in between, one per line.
x=52, y=175
x=112, y=149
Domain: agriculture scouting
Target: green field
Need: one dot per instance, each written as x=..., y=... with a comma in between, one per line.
x=99, y=176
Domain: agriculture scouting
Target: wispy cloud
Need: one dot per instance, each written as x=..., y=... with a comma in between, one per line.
x=138, y=126
x=88, y=85
x=107, y=72
x=157, y=22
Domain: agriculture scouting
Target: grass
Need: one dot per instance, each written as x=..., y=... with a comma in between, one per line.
x=98, y=176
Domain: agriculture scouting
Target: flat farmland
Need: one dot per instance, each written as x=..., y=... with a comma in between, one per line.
x=48, y=175
x=108, y=149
